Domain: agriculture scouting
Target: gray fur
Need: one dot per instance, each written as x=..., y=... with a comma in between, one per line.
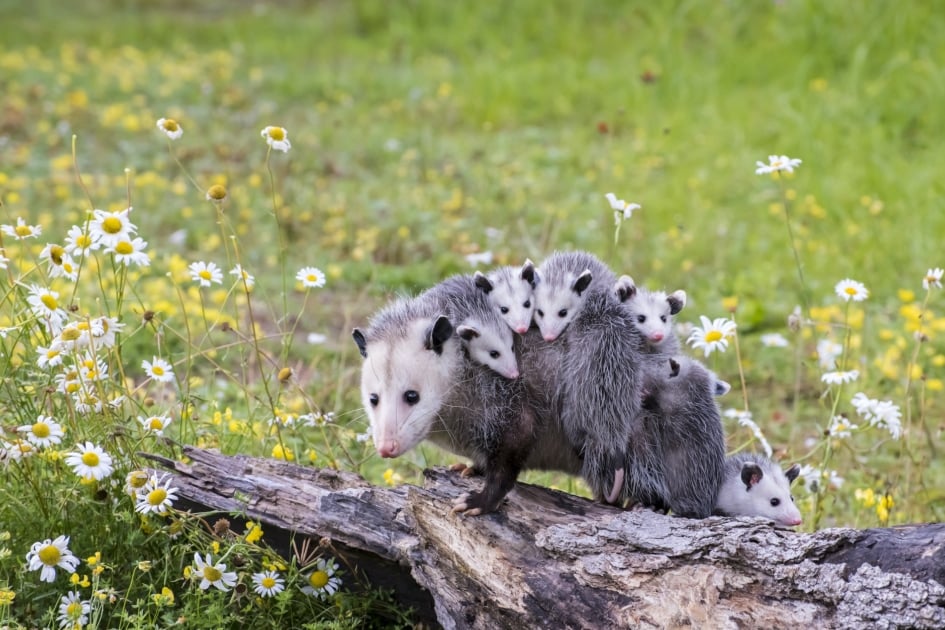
x=681, y=417
x=653, y=314
x=752, y=482
x=587, y=374
x=510, y=289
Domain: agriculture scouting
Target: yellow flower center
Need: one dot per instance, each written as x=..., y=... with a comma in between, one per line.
x=124, y=248
x=112, y=225
x=268, y=582
x=74, y=610
x=311, y=278
x=50, y=555
x=55, y=253
x=83, y=240
x=216, y=192
x=157, y=496
x=23, y=230
x=52, y=353
x=318, y=579
x=713, y=335
x=41, y=430
x=850, y=290
x=171, y=125
x=212, y=574
x=90, y=459
x=205, y=274
x=49, y=301
x=70, y=334
x=157, y=370
x=277, y=133
x=156, y=424
x=137, y=479
x=83, y=326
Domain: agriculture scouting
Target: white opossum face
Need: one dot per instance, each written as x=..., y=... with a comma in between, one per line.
x=511, y=294
x=404, y=382
x=652, y=311
x=556, y=305
x=490, y=347
x=762, y=491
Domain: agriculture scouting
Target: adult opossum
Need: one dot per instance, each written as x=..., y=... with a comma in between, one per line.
x=756, y=486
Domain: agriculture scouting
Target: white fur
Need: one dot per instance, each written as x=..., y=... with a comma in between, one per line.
x=395, y=366
x=511, y=294
x=556, y=305
x=735, y=499
x=652, y=313
x=491, y=347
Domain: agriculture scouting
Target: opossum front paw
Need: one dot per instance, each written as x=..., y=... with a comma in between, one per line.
x=471, y=504
x=464, y=470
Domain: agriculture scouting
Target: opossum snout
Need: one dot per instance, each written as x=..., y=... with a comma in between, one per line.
x=389, y=448
x=657, y=336
x=512, y=374
x=521, y=329
x=550, y=336
x=793, y=522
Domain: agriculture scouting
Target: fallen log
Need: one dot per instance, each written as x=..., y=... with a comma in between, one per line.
x=550, y=559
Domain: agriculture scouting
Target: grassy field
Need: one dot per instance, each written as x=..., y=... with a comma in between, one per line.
x=423, y=132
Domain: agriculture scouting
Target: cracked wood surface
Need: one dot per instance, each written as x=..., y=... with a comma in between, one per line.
x=547, y=559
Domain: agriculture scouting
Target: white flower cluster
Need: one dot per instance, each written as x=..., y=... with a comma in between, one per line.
x=879, y=413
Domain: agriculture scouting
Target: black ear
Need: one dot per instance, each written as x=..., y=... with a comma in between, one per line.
x=625, y=288
x=439, y=332
x=673, y=368
x=751, y=475
x=792, y=473
x=482, y=282
x=468, y=333
x=677, y=300
x=359, y=339
x=528, y=273
x=582, y=282
x=721, y=387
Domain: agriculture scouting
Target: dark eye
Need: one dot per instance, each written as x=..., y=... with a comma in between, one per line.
x=503, y=309
x=775, y=502
x=641, y=318
x=527, y=304
x=792, y=498
x=540, y=312
x=563, y=312
x=663, y=318
x=411, y=397
x=374, y=398
x=495, y=354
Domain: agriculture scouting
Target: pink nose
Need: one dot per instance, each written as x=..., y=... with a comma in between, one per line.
x=513, y=374
x=657, y=336
x=388, y=448
x=521, y=329
x=549, y=337
x=795, y=521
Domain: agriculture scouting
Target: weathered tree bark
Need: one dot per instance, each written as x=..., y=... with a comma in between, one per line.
x=549, y=559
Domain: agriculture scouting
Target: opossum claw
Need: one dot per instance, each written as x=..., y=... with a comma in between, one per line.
x=618, y=486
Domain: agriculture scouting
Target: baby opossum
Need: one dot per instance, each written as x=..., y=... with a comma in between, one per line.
x=756, y=486
x=589, y=367
x=416, y=385
x=652, y=313
x=681, y=417
x=485, y=337
x=510, y=291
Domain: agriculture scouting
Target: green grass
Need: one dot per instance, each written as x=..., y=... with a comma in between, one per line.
x=424, y=131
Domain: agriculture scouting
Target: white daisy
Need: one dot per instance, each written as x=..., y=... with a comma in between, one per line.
x=205, y=273
x=851, y=290
x=315, y=338
x=170, y=127
x=15, y=451
x=879, y=413
x=243, y=275
x=322, y=582
x=21, y=230
x=277, y=138
x=713, y=335
x=73, y=611
x=44, y=432
x=840, y=427
x=3, y=258
x=268, y=583
x=68, y=269
x=622, y=209
x=159, y=370
x=839, y=378
x=479, y=258
x=774, y=340
x=933, y=278
x=213, y=574
x=777, y=163
x=45, y=305
x=90, y=461
x=80, y=243
x=311, y=277
x=49, y=554
x=157, y=496
x=827, y=353
x=112, y=227
x=155, y=424
x=103, y=330
x=48, y=357
x=130, y=252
